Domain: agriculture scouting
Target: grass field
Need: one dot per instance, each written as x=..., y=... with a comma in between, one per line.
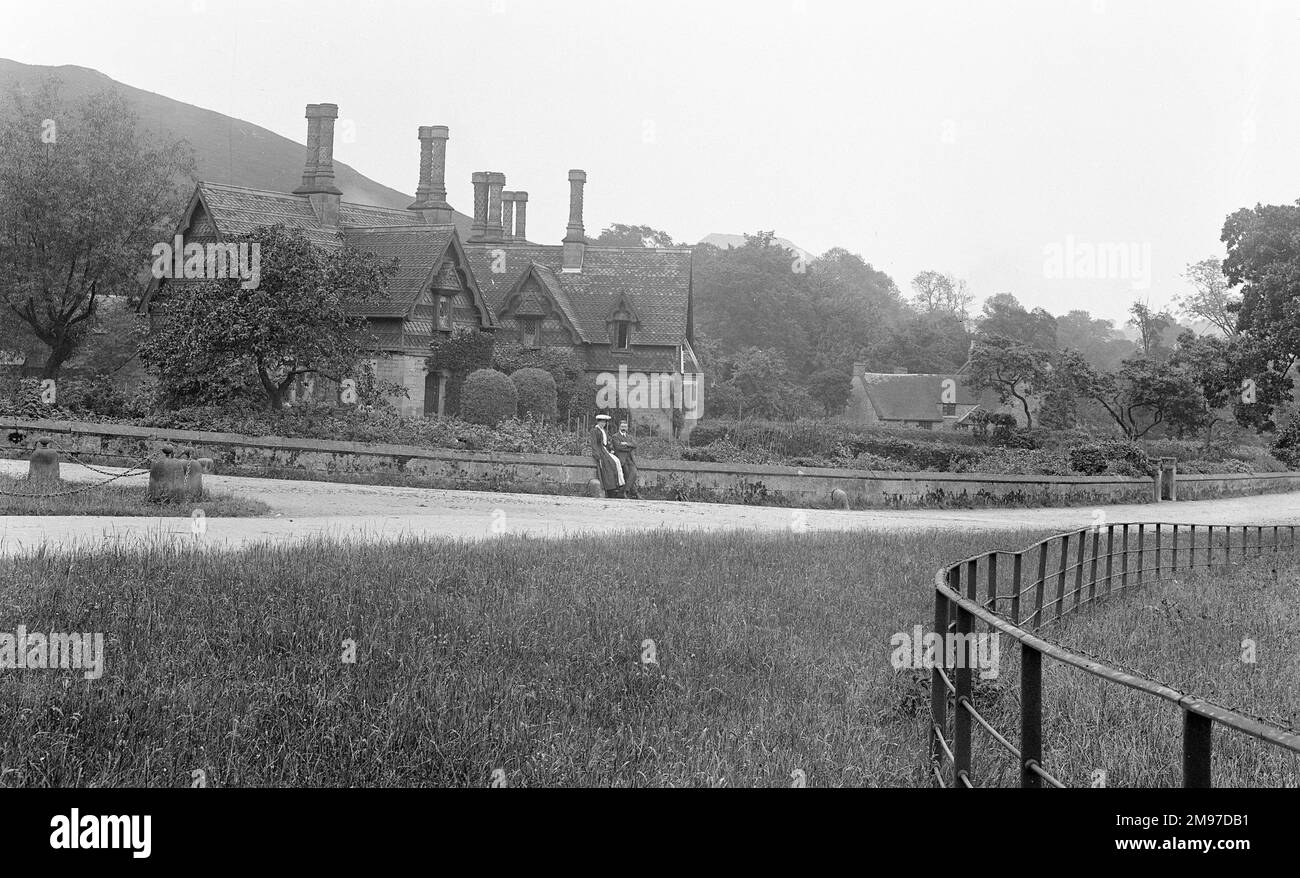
x=772, y=654
x=123, y=497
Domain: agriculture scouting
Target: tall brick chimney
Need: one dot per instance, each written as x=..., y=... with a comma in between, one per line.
x=521, y=215
x=431, y=195
x=507, y=216
x=478, y=231
x=575, y=240
x=496, y=183
x=318, y=173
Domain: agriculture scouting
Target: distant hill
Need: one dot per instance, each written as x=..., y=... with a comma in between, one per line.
x=725, y=241
x=226, y=150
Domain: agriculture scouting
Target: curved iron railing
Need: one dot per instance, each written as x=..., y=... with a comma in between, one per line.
x=1099, y=572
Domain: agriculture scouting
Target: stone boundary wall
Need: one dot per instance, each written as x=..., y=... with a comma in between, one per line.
x=329, y=460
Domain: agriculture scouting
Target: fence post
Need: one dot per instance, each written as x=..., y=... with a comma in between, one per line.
x=1041, y=583
x=961, y=719
x=1123, y=575
x=1142, y=551
x=1015, y=584
x=1197, y=734
x=1096, y=546
x=1060, y=576
x=1110, y=555
x=1078, y=568
x=1159, y=566
x=993, y=580
x=1031, y=715
x=939, y=692
x=1173, y=556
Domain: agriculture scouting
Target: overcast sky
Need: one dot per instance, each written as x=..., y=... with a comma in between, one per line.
x=994, y=140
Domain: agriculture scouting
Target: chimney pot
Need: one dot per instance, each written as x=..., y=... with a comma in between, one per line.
x=575, y=239
x=431, y=194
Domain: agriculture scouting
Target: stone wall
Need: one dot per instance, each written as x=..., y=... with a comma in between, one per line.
x=662, y=479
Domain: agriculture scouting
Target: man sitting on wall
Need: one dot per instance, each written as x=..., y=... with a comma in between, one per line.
x=623, y=447
x=608, y=467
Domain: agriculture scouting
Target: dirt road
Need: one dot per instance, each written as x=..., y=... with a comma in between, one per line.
x=369, y=512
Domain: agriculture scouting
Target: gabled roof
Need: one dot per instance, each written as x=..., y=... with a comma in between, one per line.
x=656, y=281
x=551, y=287
x=419, y=254
x=912, y=397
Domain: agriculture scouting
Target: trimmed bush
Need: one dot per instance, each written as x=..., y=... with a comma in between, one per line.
x=537, y=397
x=488, y=398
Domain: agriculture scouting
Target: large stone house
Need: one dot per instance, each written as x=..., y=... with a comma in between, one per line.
x=618, y=307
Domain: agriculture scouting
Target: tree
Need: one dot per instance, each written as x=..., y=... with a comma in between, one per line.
x=217, y=338
x=1010, y=368
x=1003, y=315
x=763, y=379
x=1094, y=338
x=620, y=235
x=1209, y=362
x=831, y=388
x=1211, y=298
x=1143, y=393
x=82, y=198
x=1152, y=327
x=933, y=291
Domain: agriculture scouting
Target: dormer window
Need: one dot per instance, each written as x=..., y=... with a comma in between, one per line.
x=444, y=313
x=622, y=330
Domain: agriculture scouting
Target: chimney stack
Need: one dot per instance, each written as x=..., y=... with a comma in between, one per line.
x=318, y=173
x=575, y=240
x=496, y=183
x=508, y=216
x=431, y=195
x=478, y=231
x=521, y=216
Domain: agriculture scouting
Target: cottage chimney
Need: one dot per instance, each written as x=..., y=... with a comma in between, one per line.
x=496, y=183
x=521, y=215
x=318, y=173
x=508, y=216
x=478, y=231
x=431, y=195
x=575, y=239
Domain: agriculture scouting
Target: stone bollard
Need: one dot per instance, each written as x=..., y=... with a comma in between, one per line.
x=43, y=466
x=594, y=489
x=166, y=476
x=839, y=499
x=207, y=464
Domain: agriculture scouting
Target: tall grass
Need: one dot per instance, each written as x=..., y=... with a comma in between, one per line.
x=524, y=655
x=116, y=498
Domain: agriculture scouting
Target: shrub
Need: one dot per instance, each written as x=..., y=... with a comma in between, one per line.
x=566, y=368
x=536, y=390
x=488, y=397
x=1117, y=457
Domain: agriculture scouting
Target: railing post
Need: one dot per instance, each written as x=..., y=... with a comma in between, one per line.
x=1197, y=733
x=1173, y=556
x=1078, y=568
x=1060, y=576
x=1142, y=552
x=993, y=580
x=1159, y=565
x=1015, y=584
x=1096, y=546
x=1041, y=583
x=1031, y=715
x=961, y=719
x=1123, y=574
x=1110, y=555
x=939, y=692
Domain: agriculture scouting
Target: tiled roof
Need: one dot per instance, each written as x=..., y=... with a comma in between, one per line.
x=656, y=281
x=912, y=397
x=417, y=251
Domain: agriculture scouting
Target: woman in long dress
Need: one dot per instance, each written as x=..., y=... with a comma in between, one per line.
x=608, y=467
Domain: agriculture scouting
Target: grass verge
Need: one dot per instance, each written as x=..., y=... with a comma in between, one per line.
x=115, y=498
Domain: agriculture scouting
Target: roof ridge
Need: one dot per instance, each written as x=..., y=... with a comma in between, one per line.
x=260, y=191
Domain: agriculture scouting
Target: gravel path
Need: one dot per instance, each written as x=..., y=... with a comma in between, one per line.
x=371, y=512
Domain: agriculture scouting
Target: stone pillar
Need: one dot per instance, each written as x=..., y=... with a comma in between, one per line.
x=43, y=466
